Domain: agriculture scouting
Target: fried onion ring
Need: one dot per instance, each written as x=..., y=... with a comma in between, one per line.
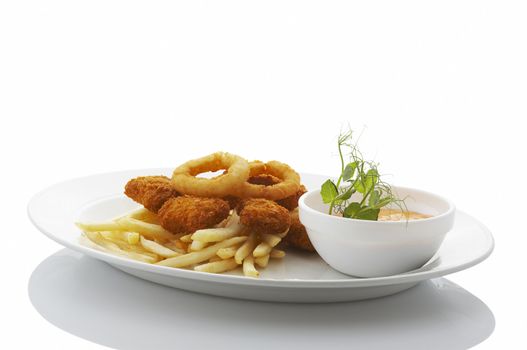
x=289, y=185
x=185, y=180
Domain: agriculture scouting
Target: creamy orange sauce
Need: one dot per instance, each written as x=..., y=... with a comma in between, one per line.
x=398, y=215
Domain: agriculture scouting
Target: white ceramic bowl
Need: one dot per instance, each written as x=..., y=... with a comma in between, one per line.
x=365, y=248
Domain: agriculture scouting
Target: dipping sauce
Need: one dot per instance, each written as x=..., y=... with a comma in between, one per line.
x=398, y=215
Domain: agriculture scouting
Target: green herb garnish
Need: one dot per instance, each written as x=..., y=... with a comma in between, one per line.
x=358, y=175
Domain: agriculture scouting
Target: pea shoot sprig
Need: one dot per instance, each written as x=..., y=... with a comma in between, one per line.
x=357, y=175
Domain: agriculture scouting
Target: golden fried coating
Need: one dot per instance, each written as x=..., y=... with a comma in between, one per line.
x=151, y=191
x=297, y=236
x=263, y=216
x=233, y=201
x=264, y=179
x=187, y=214
x=291, y=202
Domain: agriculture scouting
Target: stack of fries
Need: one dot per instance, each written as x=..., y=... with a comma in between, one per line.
x=226, y=247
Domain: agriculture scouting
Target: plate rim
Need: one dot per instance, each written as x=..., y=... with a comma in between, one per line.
x=352, y=282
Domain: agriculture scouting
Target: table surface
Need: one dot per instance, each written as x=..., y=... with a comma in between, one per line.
x=436, y=91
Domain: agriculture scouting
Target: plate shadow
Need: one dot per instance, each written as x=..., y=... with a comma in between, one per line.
x=94, y=301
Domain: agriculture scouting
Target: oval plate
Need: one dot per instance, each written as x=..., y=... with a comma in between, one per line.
x=299, y=277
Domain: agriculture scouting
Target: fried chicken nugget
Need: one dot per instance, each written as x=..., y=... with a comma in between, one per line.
x=291, y=202
x=297, y=236
x=263, y=216
x=186, y=214
x=233, y=201
x=151, y=191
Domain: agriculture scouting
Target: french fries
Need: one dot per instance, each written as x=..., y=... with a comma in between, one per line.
x=157, y=248
x=177, y=246
x=215, y=258
x=217, y=266
x=277, y=253
x=98, y=227
x=151, y=231
x=200, y=256
x=262, y=261
x=145, y=215
x=125, y=246
x=261, y=250
x=248, y=267
x=129, y=237
x=98, y=239
x=245, y=249
x=225, y=247
x=197, y=245
x=270, y=239
x=216, y=234
x=226, y=253
x=186, y=239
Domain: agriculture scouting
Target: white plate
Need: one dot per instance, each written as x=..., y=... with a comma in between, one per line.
x=299, y=277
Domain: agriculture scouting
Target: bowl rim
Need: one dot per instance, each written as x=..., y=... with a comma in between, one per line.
x=450, y=210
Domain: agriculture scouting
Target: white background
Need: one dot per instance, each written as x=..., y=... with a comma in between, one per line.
x=98, y=86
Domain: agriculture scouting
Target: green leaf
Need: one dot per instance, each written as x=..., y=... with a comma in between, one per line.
x=358, y=176
x=368, y=214
x=351, y=210
x=374, y=198
x=383, y=202
x=328, y=191
x=344, y=196
x=359, y=185
x=372, y=177
x=349, y=170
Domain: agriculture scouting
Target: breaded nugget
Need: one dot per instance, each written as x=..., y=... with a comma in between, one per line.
x=297, y=236
x=291, y=202
x=187, y=214
x=233, y=201
x=151, y=191
x=263, y=216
